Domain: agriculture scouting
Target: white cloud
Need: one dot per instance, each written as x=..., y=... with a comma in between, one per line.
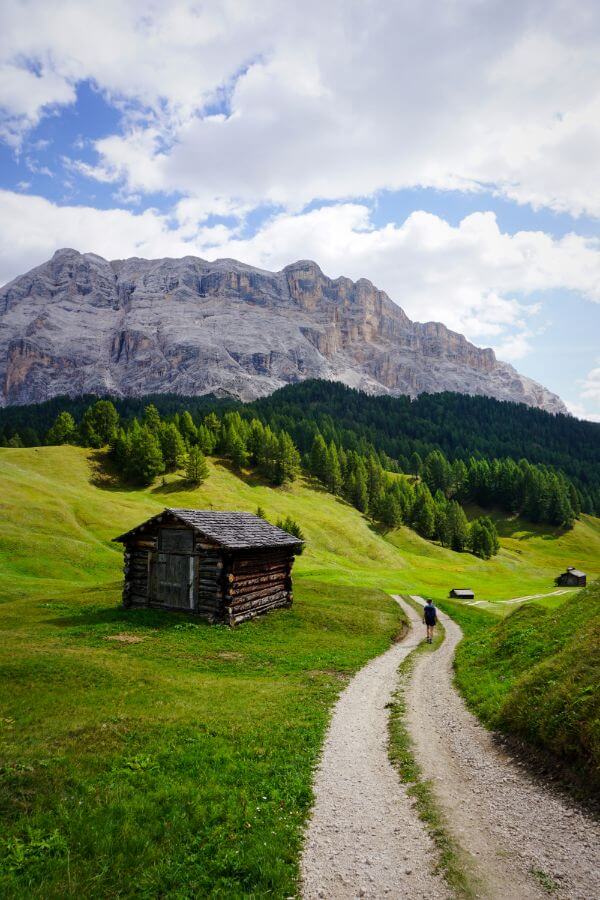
x=24, y=94
x=582, y=411
x=472, y=277
x=326, y=101
x=591, y=387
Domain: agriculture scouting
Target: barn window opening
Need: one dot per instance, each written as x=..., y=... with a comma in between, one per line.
x=176, y=540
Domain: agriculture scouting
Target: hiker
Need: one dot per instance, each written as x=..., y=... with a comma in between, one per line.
x=430, y=619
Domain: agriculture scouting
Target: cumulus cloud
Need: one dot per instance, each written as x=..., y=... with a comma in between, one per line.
x=591, y=386
x=473, y=277
x=244, y=103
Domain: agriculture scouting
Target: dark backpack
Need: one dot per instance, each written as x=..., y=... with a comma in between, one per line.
x=430, y=615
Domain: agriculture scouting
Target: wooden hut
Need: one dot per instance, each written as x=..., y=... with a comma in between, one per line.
x=572, y=578
x=462, y=593
x=224, y=566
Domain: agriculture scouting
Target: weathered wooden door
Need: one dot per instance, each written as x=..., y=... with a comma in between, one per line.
x=173, y=570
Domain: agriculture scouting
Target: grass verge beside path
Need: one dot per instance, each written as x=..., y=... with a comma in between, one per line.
x=149, y=754
x=534, y=675
x=401, y=752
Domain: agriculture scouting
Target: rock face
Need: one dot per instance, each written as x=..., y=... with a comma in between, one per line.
x=80, y=324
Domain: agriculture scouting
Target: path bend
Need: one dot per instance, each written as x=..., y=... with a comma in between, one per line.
x=364, y=838
x=508, y=823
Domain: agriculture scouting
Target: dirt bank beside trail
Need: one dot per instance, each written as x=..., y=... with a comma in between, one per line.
x=522, y=838
x=364, y=838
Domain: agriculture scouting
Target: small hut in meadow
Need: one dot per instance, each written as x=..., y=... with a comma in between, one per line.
x=223, y=566
x=572, y=578
x=462, y=593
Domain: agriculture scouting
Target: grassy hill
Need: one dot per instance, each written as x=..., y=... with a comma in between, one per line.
x=535, y=674
x=146, y=753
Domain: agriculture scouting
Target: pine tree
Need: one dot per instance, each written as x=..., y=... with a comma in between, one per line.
x=405, y=496
x=237, y=450
x=333, y=472
x=480, y=540
x=268, y=456
x=145, y=457
x=436, y=471
x=196, y=467
x=458, y=527
x=188, y=430
x=423, y=513
x=442, y=526
x=343, y=461
x=358, y=492
x=575, y=500
x=121, y=450
x=458, y=479
x=288, y=459
x=206, y=439
x=416, y=464
x=63, y=431
x=212, y=422
x=375, y=479
x=388, y=512
x=560, y=511
x=99, y=424
x=483, y=537
x=490, y=526
x=172, y=446
x=318, y=458
x=291, y=526
x=255, y=440
x=152, y=419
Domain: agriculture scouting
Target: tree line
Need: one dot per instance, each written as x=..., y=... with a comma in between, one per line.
x=145, y=448
x=402, y=431
x=406, y=430
x=393, y=499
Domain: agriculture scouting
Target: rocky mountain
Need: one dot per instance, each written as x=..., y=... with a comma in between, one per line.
x=81, y=324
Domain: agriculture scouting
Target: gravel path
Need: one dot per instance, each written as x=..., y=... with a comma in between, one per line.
x=364, y=838
x=508, y=823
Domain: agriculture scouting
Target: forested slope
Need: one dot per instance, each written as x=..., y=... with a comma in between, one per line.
x=459, y=425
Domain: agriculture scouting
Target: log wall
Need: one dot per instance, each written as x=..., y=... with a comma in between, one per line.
x=231, y=586
x=136, y=567
x=209, y=602
x=256, y=583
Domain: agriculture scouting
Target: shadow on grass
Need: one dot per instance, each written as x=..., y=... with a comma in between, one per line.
x=140, y=617
x=519, y=530
x=104, y=474
x=180, y=485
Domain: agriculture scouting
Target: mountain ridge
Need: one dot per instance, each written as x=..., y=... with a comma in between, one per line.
x=82, y=324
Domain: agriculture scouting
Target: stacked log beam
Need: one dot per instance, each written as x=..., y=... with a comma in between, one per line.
x=135, y=590
x=257, y=584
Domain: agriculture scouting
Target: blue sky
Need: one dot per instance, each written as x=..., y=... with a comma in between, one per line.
x=455, y=162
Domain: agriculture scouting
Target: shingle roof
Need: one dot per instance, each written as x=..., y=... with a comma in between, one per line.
x=575, y=572
x=234, y=530
x=463, y=592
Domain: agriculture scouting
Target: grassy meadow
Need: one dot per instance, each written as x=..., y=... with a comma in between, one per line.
x=148, y=754
x=535, y=674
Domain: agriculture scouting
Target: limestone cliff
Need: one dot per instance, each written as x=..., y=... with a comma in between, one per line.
x=80, y=324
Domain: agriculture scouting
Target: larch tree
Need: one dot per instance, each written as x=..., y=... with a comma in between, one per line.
x=196, y=467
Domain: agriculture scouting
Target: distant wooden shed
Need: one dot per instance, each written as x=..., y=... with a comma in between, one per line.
x=572, y=578
x=224, y=566
x=462, y=593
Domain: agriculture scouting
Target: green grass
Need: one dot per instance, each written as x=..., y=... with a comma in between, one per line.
x=147, y=754
x=179, y=765
x=535, y=674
